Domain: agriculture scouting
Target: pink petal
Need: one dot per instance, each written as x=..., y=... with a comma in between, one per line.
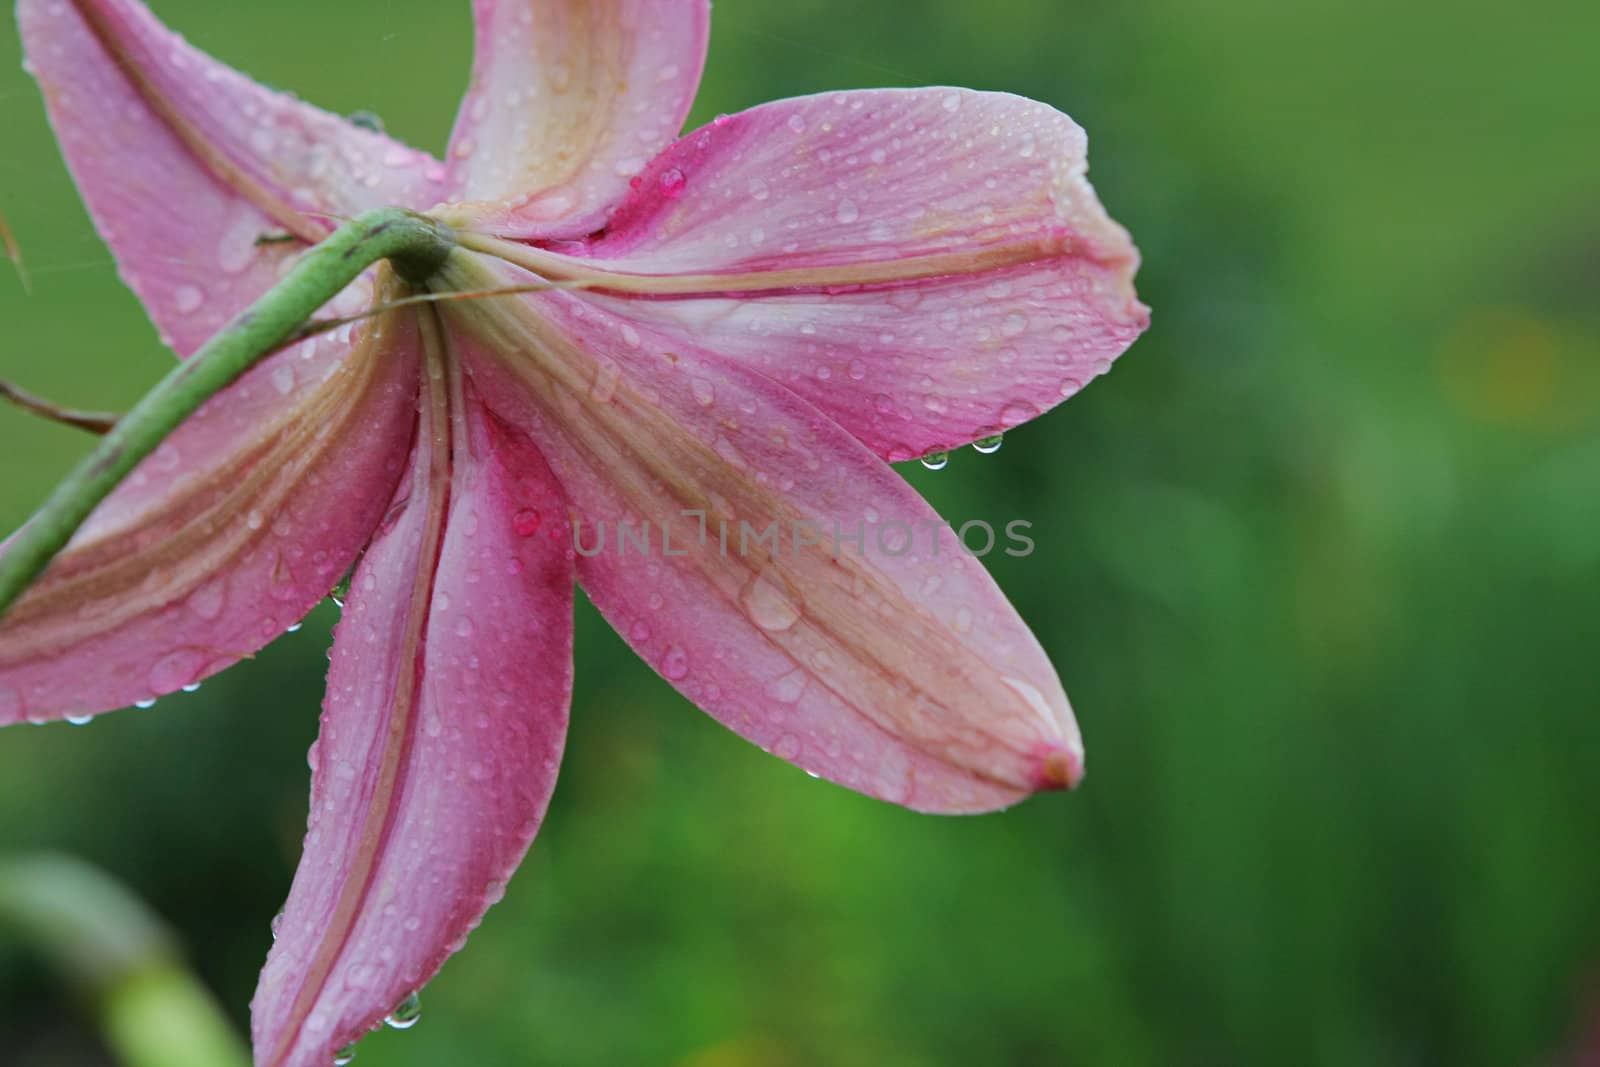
x=569, y=101
x=905, y=676
x=185, y=163
x=224, y=537
x=445, y=718
x=927, y=267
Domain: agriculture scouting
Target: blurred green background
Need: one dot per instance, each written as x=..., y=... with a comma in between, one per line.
x=1318, y=563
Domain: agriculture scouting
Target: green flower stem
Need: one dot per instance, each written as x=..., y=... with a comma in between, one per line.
x=415, y=246
x=152, y=1012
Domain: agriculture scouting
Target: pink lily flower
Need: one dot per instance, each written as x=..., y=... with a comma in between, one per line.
x=753, y=320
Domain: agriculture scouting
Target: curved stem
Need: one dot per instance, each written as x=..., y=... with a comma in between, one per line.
x=95, y=422
x=415, y=246
x=121, y=959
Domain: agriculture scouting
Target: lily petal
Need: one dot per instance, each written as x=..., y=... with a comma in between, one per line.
x=445, y=718
x=188, y=166
x=895, y=668
x=927, y=267
x=224, y=537
x=570, y=99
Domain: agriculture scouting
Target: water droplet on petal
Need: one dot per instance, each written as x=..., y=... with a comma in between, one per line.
x=1015, y=414
x=207, y=601
x=80, y=720
x=175, y=670
x=406, y=1014
x=675, y=664
x=671, y=183
x=951, y=102
x=187, y=299
x=848, y=212
x=938, y=461
x=789, y=688
x=236, y=249
x=345, y=1055
x=607, y=376
x=770, y=603
x=525, y=523
x=283, y=378
x=989, y=445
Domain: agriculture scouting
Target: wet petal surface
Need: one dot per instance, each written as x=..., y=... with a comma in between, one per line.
x=444, y=723
x=571, y=99
x=224, y=537
x=928, y=267
x=891, y=664
x=205, y=184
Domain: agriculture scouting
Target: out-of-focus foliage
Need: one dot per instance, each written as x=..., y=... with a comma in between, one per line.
x=1318, y=562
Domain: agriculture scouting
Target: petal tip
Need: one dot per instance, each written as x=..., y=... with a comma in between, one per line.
x=1059, y=768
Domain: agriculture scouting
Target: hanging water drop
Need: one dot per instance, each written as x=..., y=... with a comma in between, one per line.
x=79, y=720
x=192, y=687
x=341, y=591
x=938, y=461
x=367, y=120
x=989, y=445
x=406, y=1014
x=345, y=1055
